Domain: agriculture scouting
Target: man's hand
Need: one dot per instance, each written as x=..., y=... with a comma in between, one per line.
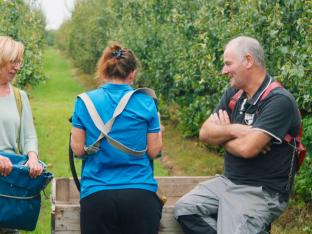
x=217, y=129
x=35, y=167
x=266, y=148
x=224, y=117
x=5, y=166
x=220, y=118
x=214, y=118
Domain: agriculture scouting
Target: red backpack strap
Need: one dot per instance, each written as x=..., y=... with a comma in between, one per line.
x=238, y=94
x=275, y=84
x=301, y=151
x=234, y=99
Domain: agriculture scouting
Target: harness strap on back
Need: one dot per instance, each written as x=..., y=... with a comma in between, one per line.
x=105, y=128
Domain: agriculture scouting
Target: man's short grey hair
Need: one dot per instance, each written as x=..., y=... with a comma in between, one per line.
x=244, y=45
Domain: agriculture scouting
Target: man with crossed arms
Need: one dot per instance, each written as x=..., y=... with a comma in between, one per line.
x=255, y=186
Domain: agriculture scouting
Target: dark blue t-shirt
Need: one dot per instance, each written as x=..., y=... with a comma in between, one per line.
x=276, y=115
x=111, y=168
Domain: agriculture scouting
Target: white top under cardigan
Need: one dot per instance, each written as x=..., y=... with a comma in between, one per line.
x=9, y=125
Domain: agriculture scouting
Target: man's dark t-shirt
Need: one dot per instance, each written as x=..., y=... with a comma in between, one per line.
x=276, y=115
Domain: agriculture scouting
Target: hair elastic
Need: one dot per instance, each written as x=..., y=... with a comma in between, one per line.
x=117, y=53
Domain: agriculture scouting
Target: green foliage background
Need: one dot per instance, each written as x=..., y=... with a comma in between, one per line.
x=25, y=24
x=180, y=46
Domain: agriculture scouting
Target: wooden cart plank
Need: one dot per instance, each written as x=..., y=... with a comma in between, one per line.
x=65, y=215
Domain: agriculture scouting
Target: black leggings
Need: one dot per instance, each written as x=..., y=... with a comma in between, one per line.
x=124, y=211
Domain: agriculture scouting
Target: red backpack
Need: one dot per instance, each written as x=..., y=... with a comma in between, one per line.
x=300, y=149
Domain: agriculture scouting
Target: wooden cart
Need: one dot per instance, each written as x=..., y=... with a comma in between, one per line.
x=66, y=208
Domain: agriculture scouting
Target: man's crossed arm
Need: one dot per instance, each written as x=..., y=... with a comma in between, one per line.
x=238, y=139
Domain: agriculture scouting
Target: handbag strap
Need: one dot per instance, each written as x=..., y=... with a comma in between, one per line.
x=19, y=105
x=105, y=128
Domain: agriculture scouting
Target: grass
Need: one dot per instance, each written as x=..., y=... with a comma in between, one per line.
x=52, y=104
x=297, y=219
x=184, y=156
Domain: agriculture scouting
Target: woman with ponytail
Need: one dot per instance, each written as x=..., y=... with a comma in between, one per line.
x=118, y=190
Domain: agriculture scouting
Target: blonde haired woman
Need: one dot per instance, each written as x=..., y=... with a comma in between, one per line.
x=17, y=132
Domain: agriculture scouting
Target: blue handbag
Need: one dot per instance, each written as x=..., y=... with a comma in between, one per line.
x=20, y=197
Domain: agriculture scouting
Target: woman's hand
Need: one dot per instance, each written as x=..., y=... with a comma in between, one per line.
x=35, y=167
x=5, y=166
